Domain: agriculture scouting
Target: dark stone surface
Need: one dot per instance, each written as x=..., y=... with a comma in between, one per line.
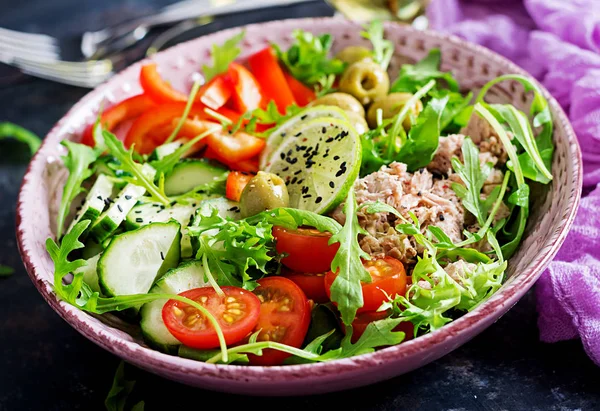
x=46, y=365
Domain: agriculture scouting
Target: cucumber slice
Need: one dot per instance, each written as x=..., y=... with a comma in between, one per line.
x=161, y=152
x=90, y=273
x=188, y=174
x=133, y=260
x=287, y=128
x=111, y=219
x=91, y=249
x=94, y=201
x=318, y=182
x=187, y=276
x=225, y=208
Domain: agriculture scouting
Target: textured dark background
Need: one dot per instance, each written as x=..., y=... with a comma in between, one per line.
x=46, y=365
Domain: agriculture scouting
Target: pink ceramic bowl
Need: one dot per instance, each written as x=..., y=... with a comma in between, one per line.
x=552, y=213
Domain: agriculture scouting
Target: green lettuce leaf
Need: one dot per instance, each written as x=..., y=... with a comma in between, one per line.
x=223, y=55
x=383, y=49
x=412, y=77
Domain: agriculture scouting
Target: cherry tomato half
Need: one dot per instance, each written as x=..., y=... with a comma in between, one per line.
x=387, y=276
x=362, y=320
x=308, y=249
x=237, y=313
x=236, y=182
x=284, y=317
x=313, y=284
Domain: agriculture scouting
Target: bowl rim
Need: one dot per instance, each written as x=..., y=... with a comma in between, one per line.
x=149, y=358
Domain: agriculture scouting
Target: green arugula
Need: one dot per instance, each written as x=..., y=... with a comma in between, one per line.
x=456, y=106
x=307, y=59
x=6, y=271
x=383, y=50
x=120, y=391
x=223, y=56
x=11, y=130
x=412, y=77
x=116, y=149
x=271, y=116
x=292, y=218
x=186, y=111
x=77, y=161
x=346, y=289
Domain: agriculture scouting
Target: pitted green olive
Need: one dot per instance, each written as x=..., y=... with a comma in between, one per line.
x=264, y=192
x=358, y=122
x=342, y=100
x=365, y=80
x=390, y=106
x=352, y=54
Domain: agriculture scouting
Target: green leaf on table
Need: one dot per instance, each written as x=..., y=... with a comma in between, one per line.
x=11, y=130
x=412, y=77
x=116, y=399
x=223, y=55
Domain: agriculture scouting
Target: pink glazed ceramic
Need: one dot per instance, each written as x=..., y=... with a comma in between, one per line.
x=553, y=211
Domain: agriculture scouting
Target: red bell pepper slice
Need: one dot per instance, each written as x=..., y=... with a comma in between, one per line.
x=268, y=73
x=235, y=147
x=302, y=94
x=236, y=182
x=249, y=166
x=157, y=88
x=112, y=117
x=247, y=93
x=216, y=92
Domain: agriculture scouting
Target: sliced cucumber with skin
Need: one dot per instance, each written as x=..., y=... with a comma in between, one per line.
x=225, y=209
x=111, y=219
x=283, y=131
x=161, y=152
x=91, y=249
x=90, y=273
x=94, y=201
x=135, y=259
x=187, y=276
x=319, y=163
x=189, y=174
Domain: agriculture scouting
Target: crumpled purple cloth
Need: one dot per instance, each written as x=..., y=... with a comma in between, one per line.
x=557, y=41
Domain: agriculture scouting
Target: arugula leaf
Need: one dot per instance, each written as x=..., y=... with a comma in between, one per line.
x=307, y=58
x=223, y=56
x=119, y=392
x=77, y=161
x=413, y=77
x=20, y=134
x=473, y=177
x=346, y=289
x=292, y=218
x=186, y=111
x=6, y=271
x=115, y=147
x=383, y=50
x=457, y=104
x=272, y=116
x=423, y=137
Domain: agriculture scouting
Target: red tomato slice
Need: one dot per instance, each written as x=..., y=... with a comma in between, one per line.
x=248, y=166
x=284, y=317
x=387, y=275
x=247, y=93
x=235, y=147
x=313, y=284
x=302, y=94
x=112, y=117
x=236, y=181
x=359, y=325
x=308, y=249
x=157, y=88
x=268, y=73
x=216, y=92
x=237, y=313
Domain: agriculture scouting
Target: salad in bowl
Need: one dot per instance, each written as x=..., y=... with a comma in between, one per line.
x=297, y=206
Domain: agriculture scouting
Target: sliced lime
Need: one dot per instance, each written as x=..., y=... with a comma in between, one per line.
x=319, y=163
x=281, y=132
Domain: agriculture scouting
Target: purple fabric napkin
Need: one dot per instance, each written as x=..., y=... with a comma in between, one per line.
x=558, y=41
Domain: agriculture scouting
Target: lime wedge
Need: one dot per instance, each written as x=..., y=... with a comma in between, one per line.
x=319, y=163
x=281, y=132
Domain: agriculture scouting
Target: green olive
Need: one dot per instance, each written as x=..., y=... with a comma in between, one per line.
x=365, y=80
x=264, y=192
x=342, y=100
x=352, y=54
x=359, y=123
x=390, y=106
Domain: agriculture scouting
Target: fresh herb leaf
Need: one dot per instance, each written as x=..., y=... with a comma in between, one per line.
x=77, y=161
x=119, y=392
x=412, y=77
x=307, y=59
x=186, y=111
x=273, y=117
x=325, y=85
x=6, y=271
x=11, y=130
x=457, y=104
x=223, y=56
x=383, y=50
x=115, y=147
x=346, y=289
x=292, y=218
x=481, y=283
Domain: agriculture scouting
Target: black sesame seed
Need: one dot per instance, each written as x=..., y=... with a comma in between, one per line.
x=324, y=130
x=307, y=196
x=297, y=172
x=78, y=209
x=139, y=220
x=419, y=194
x=286, y=168
x=232, y=208
x=173, y=203
x=441, y=217
x=300, y=181
x=304, y=117
x=282, y=156
x=282, y=134
x=99, y=198
x=138, y=211
x=162, y=256
x=304, y=190
x=329, y=140
x=298, y=134
x=318, y=200
x=336, y=157
x=119, y=208
x=127, y=197
x=194, y=204
x=331, y=184
x=294, y=180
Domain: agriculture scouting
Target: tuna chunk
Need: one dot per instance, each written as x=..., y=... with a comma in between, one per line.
x=448, y=147
x=485, y=137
